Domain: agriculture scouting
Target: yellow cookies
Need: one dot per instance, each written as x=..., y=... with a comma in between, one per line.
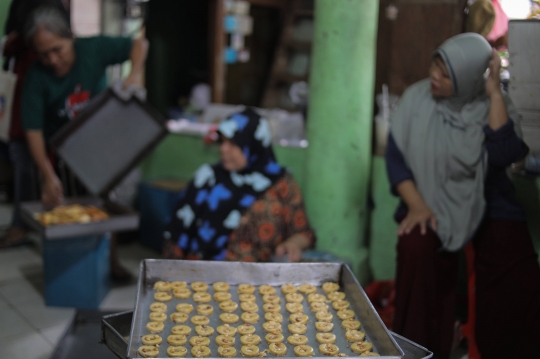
x=297, y=328
x=272, y=327
x=340, y=304
x=324, y=338
x=182, y=293
x=204, y=330
x=177, y=339
x=336, y=296
x=246, y=329
x=273, y=317
x=274, y=338
x=252, y=339
x=200, y=351
x=178, y=284
x=199, y=286
x=350, y=324
x=324, y=327
x=222, y=296
x=246, y=289
x=271, y=307
x=329, y=349
x=184, y=308
x=294, y=307
x=151, y=339
x=161, y=286
x=202, y=297
x=250, y=351
x=354, y=335
x=316, y=297
x=177, y=351
x=318, y=306
x=220, y=287
x=228, y=318
x=307, y=288
x=278, y=349
x=225, y=340
x=228, y=306
x=226, y=352
x=155, y=327
x=158, y=307
x=198, y=340
x=345, y=314
x=303, y=350
x=324, y=316
x=251, y=318
x=271, y=298
x=249, y=307
x=205, y=309
x=179, y=317
x=288, y=288
x=162, y=296
x=148, y=351
x=330, y=287
x=157, y=316
x=297, y=339
x=361, y=347
x=200, y=320
x=298, y=318
x=181, y=330
x=294, y=297
x=226, y=330
x=267, y=289
x=246, y=297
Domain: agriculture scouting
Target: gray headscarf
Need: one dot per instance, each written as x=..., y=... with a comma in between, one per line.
x=442, y=140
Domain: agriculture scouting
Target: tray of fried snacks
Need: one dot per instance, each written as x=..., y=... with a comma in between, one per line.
x=78, y=217
x=201, y=309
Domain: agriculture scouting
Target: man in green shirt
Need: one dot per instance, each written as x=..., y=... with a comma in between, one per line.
x=69, y=72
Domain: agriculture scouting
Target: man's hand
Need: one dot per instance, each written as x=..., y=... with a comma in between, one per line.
x=52, y=193
x=420, y=215
x=493, y=82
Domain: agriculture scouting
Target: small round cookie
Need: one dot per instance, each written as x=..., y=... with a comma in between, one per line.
x=340, y=304
x=324, y=338
x=329, y=349
x=298, y=318
x=303, y=350
x=228, y=306
x=204, y=330
x=324, y=327
x=229, y=318
x=221, y=287
x=307, y=288
x=151, y=339
x=248, y=339
x=205, y=309
x=361, y=347
x=158, y=307
x=318, y=306
x=324, y=316
x=354, y=335
x=246, y=288
x=184, y=308
x=178, y=285
x=266, y=289
x=272, y=327
x=249, y=307
x=177, y=351
x=226, y=329
x=155, y=327
x=225, y=340
x=226, y=352
x=181, y=330
x=288, y=288
x=271, y=298
x=330, y=287
x=370, y=354
x=297, y=328
x=336, y=296
x=294, y=297
x=162, y=296
x=199, y=286
x=294, y=307
x=246, y=297
x=162, y=286
x=297, y=339
x=246, y=329
x=345, y=314
x=182, y=293
x=273, y=317
x=316, y=297
x=200, y=351
x=179, y=317
x=271, y=308
x=198, y=340
x=250, y=350
x=350, y=323
x=148, y=351
x=251, y=318
x=157, y=316
x=274, y=338
x=177, y=339
x=278, y=349
x=202, y=297
x=200, y=320
x=222, y=296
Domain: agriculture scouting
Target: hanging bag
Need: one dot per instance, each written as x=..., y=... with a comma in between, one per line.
x=7, y=91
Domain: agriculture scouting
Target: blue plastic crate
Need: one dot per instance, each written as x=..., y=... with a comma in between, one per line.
x=76, y=271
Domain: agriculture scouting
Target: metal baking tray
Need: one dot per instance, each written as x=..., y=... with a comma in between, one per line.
x=121, y=219
x=107, y=139
x=274, y=274
x=115, y=334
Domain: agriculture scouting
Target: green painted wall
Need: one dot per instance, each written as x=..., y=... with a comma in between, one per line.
x=4, y=9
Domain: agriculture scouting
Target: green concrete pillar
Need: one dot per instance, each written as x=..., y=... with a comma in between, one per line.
x=338, y=162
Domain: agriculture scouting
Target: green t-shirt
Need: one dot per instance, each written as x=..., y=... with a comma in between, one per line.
x=49, y=102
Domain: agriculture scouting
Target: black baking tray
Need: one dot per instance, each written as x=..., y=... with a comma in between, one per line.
x=121, y=218
x=82, y=338
x=108, y=139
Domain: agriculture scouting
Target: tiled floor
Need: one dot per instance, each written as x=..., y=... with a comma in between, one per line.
x=28, y=328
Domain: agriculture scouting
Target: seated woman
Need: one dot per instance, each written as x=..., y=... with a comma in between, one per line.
x=244, y=208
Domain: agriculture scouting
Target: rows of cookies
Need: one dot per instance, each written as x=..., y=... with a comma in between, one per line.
x=278, y=343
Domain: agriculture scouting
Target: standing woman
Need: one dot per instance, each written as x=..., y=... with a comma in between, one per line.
x=452, y=138
x=68, y=73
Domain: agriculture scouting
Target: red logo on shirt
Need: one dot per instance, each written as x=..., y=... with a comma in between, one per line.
x=75, y=102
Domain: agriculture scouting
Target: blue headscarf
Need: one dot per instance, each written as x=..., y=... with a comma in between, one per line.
x=216, y=198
